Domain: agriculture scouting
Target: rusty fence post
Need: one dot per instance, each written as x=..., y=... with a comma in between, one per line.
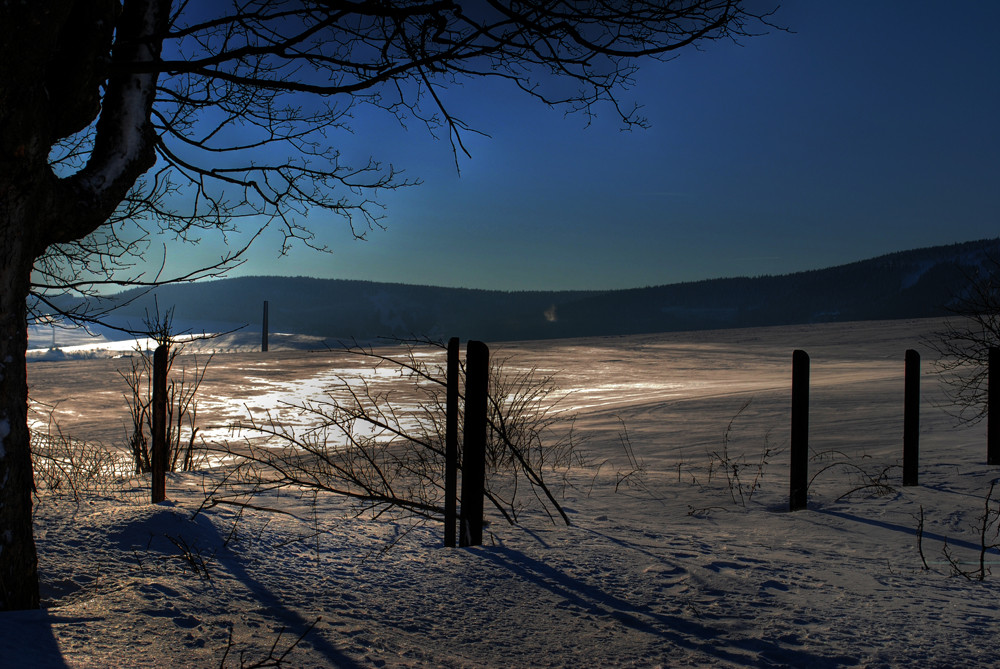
x=477, y=366
x=993, y=408
x=911, y=419
x=799, y=475
x=451, y=446
x=158, y=456
x=263, y=330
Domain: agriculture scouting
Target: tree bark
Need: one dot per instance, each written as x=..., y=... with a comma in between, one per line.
x=18, y=560
x=54, y=58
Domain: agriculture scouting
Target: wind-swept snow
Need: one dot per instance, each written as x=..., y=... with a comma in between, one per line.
x=669, y=566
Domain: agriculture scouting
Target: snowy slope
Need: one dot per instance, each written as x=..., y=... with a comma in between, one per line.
x=671, y=569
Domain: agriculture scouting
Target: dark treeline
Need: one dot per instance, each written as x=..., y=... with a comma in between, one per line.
x=908, y=284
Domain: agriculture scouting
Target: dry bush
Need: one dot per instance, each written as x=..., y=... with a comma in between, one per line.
x=866, y=479
x=988, y=529
x=741, y=470
x=964, y=342
x=379, y=438
x=274, y=658
x=182, y=408
x=744, y=475
x=74, y=468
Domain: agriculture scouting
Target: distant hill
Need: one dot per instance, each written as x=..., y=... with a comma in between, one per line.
x=908, y=284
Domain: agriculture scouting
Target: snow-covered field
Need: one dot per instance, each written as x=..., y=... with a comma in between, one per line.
x=670, y=567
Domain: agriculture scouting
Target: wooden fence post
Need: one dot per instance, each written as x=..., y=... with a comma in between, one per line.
x=993, y=408
x=477, y=373
x=451, y=446
x=799, y=477
x=911, y=419
x=158, y=456
x=263, y=330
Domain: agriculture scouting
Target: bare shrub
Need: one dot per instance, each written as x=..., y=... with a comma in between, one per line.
x=988, y=529
x=920, y=538
x=633, y=473
x=182, y=408
x=743, y=469
x=379, y=438
x=743, y=475
x=274, y=657
x=866, y=479
x=73, y=468
x=964, y=342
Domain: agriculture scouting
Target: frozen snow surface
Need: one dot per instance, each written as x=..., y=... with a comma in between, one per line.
x=688, y=563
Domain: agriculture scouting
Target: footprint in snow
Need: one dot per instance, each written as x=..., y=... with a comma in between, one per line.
x=774, y=585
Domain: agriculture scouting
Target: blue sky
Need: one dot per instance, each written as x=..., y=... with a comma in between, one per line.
x=871, y=128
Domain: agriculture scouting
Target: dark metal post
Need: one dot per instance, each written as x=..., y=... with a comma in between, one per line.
x=911, y=419
x=799, y=479
x=993, y=409
x=451, y=446
x=477, y=365
x=158, y=456
x=263, y=330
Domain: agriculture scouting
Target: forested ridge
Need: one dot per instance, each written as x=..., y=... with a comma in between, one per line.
x=907, y=284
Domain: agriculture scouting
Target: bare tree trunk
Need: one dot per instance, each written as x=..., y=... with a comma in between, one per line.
x=18, y=560
x=54, y=63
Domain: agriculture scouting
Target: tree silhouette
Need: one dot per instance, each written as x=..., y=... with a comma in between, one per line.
x=963, y=343
x=122, y=120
